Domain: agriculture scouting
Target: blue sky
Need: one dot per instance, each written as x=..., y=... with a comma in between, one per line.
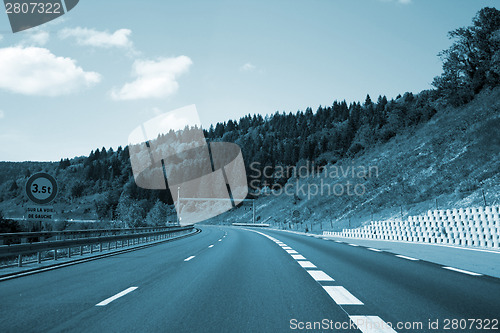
x=88, y=78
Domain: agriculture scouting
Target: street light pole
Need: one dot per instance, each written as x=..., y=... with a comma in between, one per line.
x=178, y=204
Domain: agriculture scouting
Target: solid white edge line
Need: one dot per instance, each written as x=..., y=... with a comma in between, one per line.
x=398, y=242
x=376, y=250
x=405, y=257
x=462, y=271
x=112, y=298
x=424, y=244
x=189, y=258
x=371, y=324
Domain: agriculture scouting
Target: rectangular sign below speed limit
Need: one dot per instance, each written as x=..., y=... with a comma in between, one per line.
x=40, y=213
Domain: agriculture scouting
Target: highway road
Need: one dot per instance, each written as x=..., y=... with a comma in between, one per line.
x=227, y=279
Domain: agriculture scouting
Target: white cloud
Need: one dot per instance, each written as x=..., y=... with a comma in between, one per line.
x=33, y=37
x=36, y=71
x=90, y=37
x=247, y=67
x=2, y=114
x=38, y=37
x=153, y=79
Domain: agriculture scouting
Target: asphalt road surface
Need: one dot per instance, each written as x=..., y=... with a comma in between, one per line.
x=228, y=279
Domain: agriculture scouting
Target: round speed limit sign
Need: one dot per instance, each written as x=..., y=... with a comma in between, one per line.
x=41, y=188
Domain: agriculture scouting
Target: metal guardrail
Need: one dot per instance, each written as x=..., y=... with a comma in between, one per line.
x=40, y=236
x=124, y=239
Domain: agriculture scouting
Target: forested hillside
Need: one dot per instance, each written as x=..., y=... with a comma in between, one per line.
x=451, y=161
x=462, y=105
x=103, y=180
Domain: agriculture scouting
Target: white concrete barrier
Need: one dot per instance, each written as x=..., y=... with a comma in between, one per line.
x=470, y=226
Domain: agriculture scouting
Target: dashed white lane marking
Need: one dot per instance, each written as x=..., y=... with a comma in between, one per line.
x=376, y=250
x=298, y=257
x=189, y=258
x=320, y=276
x=342, y=296
x=462, y=271
x=287, y=248
x=371, y=324
x=112, y=298
x=211, y=246
x=405, y=257
x=306, y=264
